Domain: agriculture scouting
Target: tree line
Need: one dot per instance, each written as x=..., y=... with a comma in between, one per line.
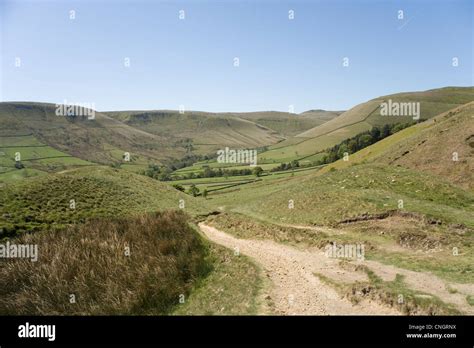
x=361, y=141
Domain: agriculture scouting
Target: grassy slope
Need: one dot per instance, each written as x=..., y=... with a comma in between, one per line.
x=91, y=262
x=102, y=140
x=432, y=149
x=232, y=288
x=154, y=285
x=353, y=191
x=211, y=131
x=208, y=131
x=49, y=143
x=37, y=203
x=36, y=157
x=326, y=197
x=295, y=149
x=432, y=103
x=362, y=117
x=428, y=147
x=289, y=124
x=437, y=217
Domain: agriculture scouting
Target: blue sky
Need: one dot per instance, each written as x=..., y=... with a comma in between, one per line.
x=190, y=62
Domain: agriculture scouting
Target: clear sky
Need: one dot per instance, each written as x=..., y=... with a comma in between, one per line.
x=190, y=62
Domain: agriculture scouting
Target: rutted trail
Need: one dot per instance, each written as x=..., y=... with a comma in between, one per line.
x=295, y=289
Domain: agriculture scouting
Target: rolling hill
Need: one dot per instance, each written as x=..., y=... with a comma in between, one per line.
x=288, y=124
x=430, y=146
x=101, y=140
x=415, y=164
x=43, y=202
x=49, y=143
x=363, y=117
x=334, y=196
x=206, y=132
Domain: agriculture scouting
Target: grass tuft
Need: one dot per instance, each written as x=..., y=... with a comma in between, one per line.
x=90, y=261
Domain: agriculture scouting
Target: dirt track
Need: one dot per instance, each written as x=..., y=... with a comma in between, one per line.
x=295, y=289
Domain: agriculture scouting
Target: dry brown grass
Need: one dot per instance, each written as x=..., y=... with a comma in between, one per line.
x=432, y=149
x=89, y=261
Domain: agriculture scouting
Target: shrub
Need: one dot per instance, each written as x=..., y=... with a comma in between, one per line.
x=178, y=187
x=193, y=190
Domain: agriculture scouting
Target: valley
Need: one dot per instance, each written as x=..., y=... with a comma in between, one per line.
x=255, y=239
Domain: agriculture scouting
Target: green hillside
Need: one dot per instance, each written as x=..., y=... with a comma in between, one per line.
x=405, y=218
x=428, y=147
x=35, y=157
x=363, y=117
x=100, y=140
x=49, y=143
x=350, y=192
x=42, y=202
x=288, y=124
x=202, y=132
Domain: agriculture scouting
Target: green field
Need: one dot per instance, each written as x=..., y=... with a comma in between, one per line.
x=37, y=158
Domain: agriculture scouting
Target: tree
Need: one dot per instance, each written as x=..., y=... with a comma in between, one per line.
x=208, y=173
x=164, y=177
x=153, y=171
x=193, y=190
x=375, y=134
x=386, y=130
x=257, y=171
x=178, y=187
x=352, y=146
x=365, y=140
x=332, y=157
x=343, y=148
